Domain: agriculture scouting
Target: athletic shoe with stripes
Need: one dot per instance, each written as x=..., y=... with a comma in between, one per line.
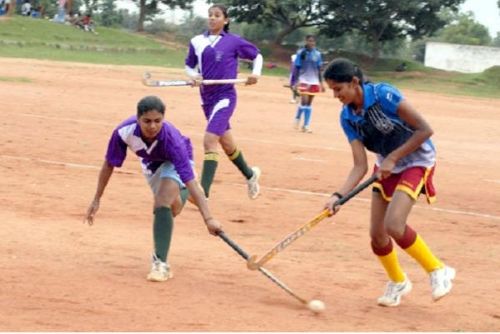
x=393, y=293
x=253, y=183
x=441, y=282
x=160, y=271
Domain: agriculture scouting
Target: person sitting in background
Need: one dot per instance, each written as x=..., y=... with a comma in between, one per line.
x=26, y=8
x=5, y=6
x=36, y=12
x=401, y=67
x=86, y=23
x=74, y=19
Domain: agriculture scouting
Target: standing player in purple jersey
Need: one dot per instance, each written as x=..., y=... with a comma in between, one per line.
x=167, y=163
x=376, y=117
x=307, y=80
x=214, y=55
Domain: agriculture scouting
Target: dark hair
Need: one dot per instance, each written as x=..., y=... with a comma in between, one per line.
x=223, y=9
x=149, y=103
x=304, y=52
x=343, y=70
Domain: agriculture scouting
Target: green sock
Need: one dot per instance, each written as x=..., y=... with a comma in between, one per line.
x=237, y=158
x=162, y=231
x=209, y=167
x=184, y=195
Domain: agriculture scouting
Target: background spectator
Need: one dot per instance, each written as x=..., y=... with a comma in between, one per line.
x=26, y=8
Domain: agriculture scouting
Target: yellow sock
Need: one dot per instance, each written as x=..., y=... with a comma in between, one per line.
x=422, y=253
x=392, y=267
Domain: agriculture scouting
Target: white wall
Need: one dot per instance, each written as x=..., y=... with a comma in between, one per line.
x=461, y=58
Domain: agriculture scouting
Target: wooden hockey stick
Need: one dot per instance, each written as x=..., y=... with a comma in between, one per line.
x=264, y=271
x=254, y=264
x=147, y=81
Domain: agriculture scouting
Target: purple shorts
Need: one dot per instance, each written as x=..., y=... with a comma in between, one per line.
x=218, y=114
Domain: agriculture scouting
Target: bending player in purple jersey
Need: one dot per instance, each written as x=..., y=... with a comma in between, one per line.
x=167, y=163
x=214, y=55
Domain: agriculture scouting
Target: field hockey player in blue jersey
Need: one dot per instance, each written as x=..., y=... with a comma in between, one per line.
x=167, y=163
x=376, y=117
x=214, y=55
x=307, y=80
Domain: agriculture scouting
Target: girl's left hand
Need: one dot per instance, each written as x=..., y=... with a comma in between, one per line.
x=91, y=211
x=251, y=80
x=386, y=167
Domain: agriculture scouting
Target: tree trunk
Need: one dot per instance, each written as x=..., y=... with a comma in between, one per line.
x=142, y=15
x=278, y=40
x=69, y=6
x=12, y=8
x=375, y=49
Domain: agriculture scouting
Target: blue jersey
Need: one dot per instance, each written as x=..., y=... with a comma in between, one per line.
x=380, y=128
x=308, y=66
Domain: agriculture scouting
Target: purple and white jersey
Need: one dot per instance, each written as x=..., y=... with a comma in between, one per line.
x=218, y=59
x=170, y=145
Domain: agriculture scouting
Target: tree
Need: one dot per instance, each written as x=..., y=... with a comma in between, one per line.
x=91, y=6
x=289, y=15
x=108, y=15
x=150, y=7
x=496, y=41
x=465, y=30
x=382, y=21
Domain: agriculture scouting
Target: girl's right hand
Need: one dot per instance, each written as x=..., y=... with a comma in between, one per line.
x=330, y=205
x=196, y=81
x=213, y=226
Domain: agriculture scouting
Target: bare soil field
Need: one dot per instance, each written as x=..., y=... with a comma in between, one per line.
x=58, y=274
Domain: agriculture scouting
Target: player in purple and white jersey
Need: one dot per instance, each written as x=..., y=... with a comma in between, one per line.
x=214, y=55
x=167, y=162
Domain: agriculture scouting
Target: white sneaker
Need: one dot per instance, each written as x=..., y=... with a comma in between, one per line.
x=253, y=183
x=393, y=293
x=306, y=129
x=293, y=101
x=296, y=124
x=441, y=282
x=160, y=271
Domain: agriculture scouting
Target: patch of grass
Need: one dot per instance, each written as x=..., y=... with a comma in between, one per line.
x=167, y=58
x=14, y=79
x=41, y=39
x=485, y=84
x=22, y=37
x=43, y=32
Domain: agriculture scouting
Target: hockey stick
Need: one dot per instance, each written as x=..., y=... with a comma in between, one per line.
x=253, y=263
x=264, y=271
x=147, y=81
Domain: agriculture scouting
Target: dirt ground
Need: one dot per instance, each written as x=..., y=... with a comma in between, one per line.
x=58, y=274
